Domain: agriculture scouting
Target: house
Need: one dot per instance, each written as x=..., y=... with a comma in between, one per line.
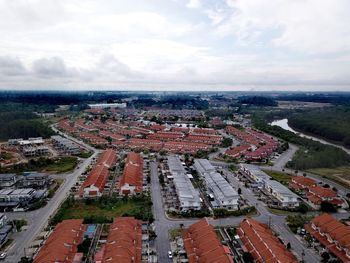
x=8, y=180
x=124, y=241
x=224, y=194
x=262, y=244
x=301, y=183
x=188, y=197
x=65, y=145
x=34, y=180
x=317, y=194
x=332, y=234
x=132, y=178
x=203, y=245
x=62, y=244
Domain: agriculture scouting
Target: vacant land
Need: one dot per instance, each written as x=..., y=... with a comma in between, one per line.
x=57, y=165
x=339, y=174
x=105, y=209
x=281, y=177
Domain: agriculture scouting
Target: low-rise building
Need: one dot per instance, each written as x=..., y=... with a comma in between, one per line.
x=203, y=245
x=187, y=195
x=124, y=241
x=8, y=180
x=12, y=198
x=62, y=244
x=34, y=180
x=262, y=244
x=224, y=194
x=131, y=181
x=65, y=145
x=332, y=234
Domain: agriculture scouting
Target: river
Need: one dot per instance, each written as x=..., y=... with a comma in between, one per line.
x=283, y=123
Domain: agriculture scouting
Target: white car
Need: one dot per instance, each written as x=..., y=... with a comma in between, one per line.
x=170, y=255
x=3, y=255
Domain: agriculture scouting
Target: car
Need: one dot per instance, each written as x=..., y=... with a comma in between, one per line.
x=170, y=254
x=3, y=255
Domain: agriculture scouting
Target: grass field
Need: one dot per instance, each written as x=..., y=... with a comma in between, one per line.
x=281, y=212
x=339, y=174
x=105, y=209
x=281, y=177
x=62, y=165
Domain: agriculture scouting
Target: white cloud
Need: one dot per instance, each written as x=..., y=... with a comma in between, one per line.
x=80, y=43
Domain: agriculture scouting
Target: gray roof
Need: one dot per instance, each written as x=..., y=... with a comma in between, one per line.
x=184, y=188
x=280, y=188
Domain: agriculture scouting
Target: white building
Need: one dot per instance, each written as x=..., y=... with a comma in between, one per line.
x=187, y=195
x=107, y=105
x=225, y=196
x=277, y=191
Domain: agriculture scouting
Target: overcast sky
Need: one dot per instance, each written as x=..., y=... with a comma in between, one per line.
x=175, y=44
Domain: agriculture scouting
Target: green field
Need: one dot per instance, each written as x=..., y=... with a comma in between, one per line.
x=105, y=209
x=339, y=174
x=281, y=177
x=58, y=165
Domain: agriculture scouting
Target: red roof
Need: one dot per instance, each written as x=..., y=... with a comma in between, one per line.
x=262, y=243
x=124, y=241
x=133, y=172
x=61, y=246
x=202, y=244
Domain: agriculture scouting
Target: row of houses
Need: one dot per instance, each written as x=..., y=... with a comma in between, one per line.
x=126, y=242
x=280, y=195
x=27, y=179
x=20, y=198
x=65, y=145
x=188, y=197
x=131, y=181
x=255, y=145
x=332, y=234
x=222, y=192
x=95, y=182
x=315, y=193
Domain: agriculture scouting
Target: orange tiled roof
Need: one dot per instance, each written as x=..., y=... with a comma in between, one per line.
x=303, y=181
x=124, y=242
x=133, y=172
x=262, y=243
x=61, y=246
x=202, y=244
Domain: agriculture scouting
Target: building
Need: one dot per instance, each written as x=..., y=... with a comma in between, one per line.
x=202, y=244
x=65, y=146
x=107, y=105
x=317, y=194
x=95, y=182
x=14, y=198
x=280, y=195
x=332, y=234
x=262, y=244
x=8, y=180
x=187, y=195
x=224, y=194
x=5, y=229
x=301, y=183
x=132, y=178
x=62, y=244
x=124, y=241
x=34, y=180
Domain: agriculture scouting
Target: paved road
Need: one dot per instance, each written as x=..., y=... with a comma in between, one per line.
x=38, y=219
x=285, y=157
x=164, y=224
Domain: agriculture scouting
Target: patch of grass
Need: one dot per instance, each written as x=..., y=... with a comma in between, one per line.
x=173, y=233
x=105, y=209
x=281, y=212
x=85, y=154
x=62, y=165
x=342, y=173
x=281, y=177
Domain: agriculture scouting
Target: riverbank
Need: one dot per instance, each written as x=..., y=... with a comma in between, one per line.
x=283, y=123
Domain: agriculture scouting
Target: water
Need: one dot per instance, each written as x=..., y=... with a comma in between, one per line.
x=283, y=123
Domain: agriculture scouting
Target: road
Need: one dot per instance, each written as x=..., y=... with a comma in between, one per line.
x=38, y=219
x=285, y=157
x=164, y=224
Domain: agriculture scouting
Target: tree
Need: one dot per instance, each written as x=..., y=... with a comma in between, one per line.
x=328, y=207
x=247, y=257
x=289, y=246
x=239, y=191
x=325, y=256
x=303, y=208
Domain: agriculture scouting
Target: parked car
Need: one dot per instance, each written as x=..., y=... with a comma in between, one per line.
x=3, y=255
x=170, y=255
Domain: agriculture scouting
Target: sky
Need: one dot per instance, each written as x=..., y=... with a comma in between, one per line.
x=175, y=45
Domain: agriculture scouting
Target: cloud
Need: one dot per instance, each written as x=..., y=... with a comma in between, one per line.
x=194, y=4
x=11, y=66
x=50, y=67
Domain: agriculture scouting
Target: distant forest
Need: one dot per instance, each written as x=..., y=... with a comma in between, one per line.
x=18, y=121
x=330, y=123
